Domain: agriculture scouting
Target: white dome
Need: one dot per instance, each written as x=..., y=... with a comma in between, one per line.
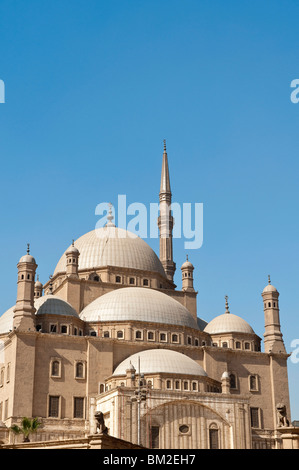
x=6, y=321
x=112, y=246
x=50, y=304
x=228, y=323
x=138, y=304
x=161, y=361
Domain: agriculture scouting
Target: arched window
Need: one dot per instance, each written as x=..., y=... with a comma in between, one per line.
x=55, y=369
x=132, y=280
x=247, y=345
x=233, y=381
x=174, y=338
x=238, y=345
x=118, y=279
x=79, y=370
x=138, y=334
x=145, y=282
x=168, y=383
x=224, y=345
x=162, y=337
x=213, y=437
x=106, y=334
x=196, y=342
x=269, y=304
x=63, y=329
x=150, y=335
x=252, y=382
x=120, y=334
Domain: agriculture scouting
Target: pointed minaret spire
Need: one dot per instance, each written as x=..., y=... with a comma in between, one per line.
x=165, y=180
x=165, y=220
x=226, y=305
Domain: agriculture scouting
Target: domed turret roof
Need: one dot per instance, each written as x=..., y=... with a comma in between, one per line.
x=138, y=304
x=161, y=361
x=228, y=323
x=113, y=246
x=269, y=287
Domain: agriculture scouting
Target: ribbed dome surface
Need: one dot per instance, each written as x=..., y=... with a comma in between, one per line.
x=161, y=361
x=53, y=305
x=113, y=246
x=139, y=304
x=228, y=323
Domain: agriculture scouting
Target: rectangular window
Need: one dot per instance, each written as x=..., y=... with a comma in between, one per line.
x=154, y=437
x=254, y=417
x=54, y=407
x=78, y=407
x=5, y=410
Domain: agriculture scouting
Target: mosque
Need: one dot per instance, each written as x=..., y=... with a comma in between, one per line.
x=110, y=332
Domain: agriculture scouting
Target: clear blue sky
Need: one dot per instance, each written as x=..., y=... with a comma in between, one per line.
x=92, y=89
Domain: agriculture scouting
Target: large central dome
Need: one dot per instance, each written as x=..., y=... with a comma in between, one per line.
x=113, y=246
x=138, y=304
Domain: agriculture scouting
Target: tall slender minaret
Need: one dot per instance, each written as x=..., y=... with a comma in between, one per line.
x=165, y=220
x=273, y=341
x=24, y=311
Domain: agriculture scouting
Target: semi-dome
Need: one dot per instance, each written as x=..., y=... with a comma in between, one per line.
x=53, y=305
x=228, y=323
x=50, y=304
x=138, y=304
x=155, y=361
x=113, y=246
x=6, y=321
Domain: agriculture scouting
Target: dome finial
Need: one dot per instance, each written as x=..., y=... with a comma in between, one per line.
x=28, y=248
x=110, y=216
x=187, y=257
x=226, y=305
x=269, y=280
x=164, y=141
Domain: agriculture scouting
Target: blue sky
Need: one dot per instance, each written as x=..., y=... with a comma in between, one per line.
x=93, y=88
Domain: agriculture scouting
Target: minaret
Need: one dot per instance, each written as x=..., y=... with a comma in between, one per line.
x=24, y=312
x=72, y=261
x=187, y=276
x=165, y=220
x=272, y=337
x=38, y=289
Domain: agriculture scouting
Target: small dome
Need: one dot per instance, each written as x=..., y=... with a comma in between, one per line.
x=113, y=246
x=138, y=304
x=228, y=323
x=154, y=361
x=225, y=375
x=27, y=259
x=53, y=305
x=72, y=249
x=50, y=304
x=187, y=264
x=270, y=288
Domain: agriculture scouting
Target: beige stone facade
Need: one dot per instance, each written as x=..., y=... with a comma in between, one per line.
x=111, y=332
